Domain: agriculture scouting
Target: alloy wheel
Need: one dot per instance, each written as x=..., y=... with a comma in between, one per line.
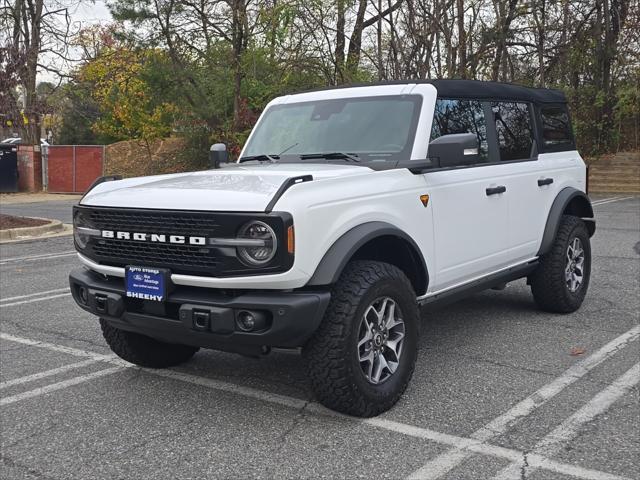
x=574, y=268
x=380, y=340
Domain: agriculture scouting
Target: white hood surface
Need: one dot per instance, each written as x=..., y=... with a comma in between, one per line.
x=247, y=188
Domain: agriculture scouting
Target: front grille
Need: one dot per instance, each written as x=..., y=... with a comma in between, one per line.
x=170, y=223
x=179, y=258
x=157, y=254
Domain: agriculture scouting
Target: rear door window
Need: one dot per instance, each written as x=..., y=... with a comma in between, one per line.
x=556, y=128
x=461, y=116
x=514, y=131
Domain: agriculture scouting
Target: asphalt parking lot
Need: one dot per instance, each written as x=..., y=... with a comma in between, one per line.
x=501, y=390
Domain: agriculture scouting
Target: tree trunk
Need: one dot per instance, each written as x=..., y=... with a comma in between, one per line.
x=462, y=40
x=238, y=44
x=355, y=43
x=32, y=129
x=340, y=42
x=504, y=22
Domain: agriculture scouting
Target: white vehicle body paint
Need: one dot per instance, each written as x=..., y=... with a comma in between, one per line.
x=462, y=235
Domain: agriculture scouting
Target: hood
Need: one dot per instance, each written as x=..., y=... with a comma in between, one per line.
x=235, y=188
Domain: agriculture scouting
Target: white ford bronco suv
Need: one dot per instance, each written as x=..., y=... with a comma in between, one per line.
x=347, y=210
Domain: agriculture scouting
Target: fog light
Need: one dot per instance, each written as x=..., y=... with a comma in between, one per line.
x=84, y=296
x=246, y=321
x=251, y=320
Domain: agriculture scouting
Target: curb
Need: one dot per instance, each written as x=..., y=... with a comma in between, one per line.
x=54, y=226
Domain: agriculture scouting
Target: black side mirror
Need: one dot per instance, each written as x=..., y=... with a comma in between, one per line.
x=455, y=149
x=218, y=154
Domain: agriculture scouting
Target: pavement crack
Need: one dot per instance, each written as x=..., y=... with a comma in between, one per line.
x=26, y=331
x=301, y=414
x=11, y=463
x=35, y=434
x=523, y=467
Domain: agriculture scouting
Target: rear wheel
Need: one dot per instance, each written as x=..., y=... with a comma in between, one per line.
x=362, y=356
x=145, y=351
x=561, y=280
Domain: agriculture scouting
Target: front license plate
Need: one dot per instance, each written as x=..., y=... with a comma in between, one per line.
x=146, y=283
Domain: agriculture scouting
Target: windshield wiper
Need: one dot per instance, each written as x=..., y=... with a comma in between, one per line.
x=353, y=157
x=260, y=158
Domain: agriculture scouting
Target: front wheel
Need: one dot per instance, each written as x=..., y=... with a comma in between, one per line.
x=362, y=356
x=561, y=280
x=145, y=351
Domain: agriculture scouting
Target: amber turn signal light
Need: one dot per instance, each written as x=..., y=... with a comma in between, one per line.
x=424, y=199
x=291, y=240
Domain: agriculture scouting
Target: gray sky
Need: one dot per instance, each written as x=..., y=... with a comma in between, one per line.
x=92, y=13
x=87, y=13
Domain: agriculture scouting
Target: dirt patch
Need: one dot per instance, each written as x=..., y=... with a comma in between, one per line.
x=133, y=158
x=9, y=221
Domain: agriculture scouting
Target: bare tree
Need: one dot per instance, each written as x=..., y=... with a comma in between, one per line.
x=39, y=42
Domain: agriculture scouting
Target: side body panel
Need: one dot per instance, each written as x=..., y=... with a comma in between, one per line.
x=470, y=227
x=529, y=202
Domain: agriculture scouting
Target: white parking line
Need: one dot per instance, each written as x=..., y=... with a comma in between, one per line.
x=610, y=200
x=33, y=300
x=37, y=294
x=58, y=386
x=76, y=352
x=47, y=373
x=554, y=441
x=468, y=445
x=447, y=461
x=604, y=200
x=43, y=256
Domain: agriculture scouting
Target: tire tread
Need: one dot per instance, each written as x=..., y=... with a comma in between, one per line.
x=325, y=353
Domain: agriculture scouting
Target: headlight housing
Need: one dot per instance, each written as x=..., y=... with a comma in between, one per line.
x=82, y=230
x=262, y=243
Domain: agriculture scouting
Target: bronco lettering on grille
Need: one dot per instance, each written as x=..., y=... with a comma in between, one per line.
x=154, y=237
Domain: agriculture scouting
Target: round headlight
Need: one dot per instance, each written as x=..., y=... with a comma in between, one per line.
x=264, y=243
x=79, y=224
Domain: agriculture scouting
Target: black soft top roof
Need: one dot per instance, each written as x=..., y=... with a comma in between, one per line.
x=495, y=91
x=478, y=90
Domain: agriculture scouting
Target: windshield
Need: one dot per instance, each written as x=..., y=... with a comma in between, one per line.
x=372, y=128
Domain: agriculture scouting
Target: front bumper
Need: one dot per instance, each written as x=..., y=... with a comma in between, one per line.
x=292, y=316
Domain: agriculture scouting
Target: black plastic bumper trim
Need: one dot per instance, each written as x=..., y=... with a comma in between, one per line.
x=293, y=316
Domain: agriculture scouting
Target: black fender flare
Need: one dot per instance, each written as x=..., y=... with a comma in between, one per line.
x=338, y=255
x=579, y=204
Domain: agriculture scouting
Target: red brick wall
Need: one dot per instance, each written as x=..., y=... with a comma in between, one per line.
x=29, y=169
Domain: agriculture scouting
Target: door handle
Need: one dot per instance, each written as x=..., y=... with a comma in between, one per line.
x=545, y=181
x=496, y=190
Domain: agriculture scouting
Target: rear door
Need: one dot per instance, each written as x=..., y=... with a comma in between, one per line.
x=534, y=179
x=470, y=209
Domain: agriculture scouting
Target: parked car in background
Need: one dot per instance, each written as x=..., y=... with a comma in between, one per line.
x=18, y=141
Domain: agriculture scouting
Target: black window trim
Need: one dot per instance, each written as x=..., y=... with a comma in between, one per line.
x=492, y=137
x=535, y=147
x=562, y=147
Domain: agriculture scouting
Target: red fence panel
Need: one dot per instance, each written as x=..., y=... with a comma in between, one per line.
x=60, y=168
x=73, y=168
x=89, y=166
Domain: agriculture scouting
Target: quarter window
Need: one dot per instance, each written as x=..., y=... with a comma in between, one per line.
x=556, y=129
x=513, y=128
x=461, y=116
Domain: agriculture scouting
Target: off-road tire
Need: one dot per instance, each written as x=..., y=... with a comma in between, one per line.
x=548, y=284
x=145, y=351
x=331, y=355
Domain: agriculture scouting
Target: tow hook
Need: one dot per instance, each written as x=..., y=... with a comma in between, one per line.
x=101, y=303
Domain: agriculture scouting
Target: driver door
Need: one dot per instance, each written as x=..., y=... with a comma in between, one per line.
x=470, y=204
